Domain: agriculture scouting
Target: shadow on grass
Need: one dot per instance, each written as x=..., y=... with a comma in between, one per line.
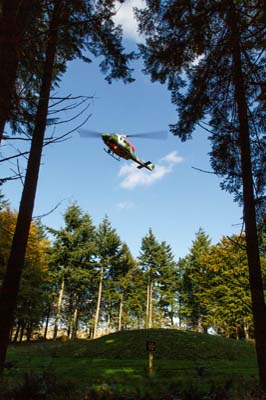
x=45, y=386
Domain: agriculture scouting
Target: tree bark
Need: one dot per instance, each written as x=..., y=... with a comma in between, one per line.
x=149, y=302
x=99, y=299
x=150, y=306
x=58, y=308
x=74, y=324
x=21, y=333
x=15, y=338
x=147, y=305
x=11, y=283
x=121, y=304
x=47, y=322
x=252, y=243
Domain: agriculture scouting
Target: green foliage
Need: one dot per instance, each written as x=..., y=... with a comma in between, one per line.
x=160, y=274
x=190, y=45
x=215, y=287
x=227, y=297
x=73, y=259
x=212, y=56
x=195, y=278
x=110, y=270
x=169, y=285
x=32, y=295
x=86, y=31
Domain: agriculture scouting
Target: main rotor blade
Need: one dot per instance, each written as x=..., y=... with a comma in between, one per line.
x=89, y=134
x=159, y=135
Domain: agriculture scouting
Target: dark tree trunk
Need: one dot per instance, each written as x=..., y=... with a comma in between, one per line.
x=13, y=22
x=47, y=322
x=252, y=243
x=29, y=332
x=15, y=339
x=21, y=333
x=10, y=288
x=73, y=334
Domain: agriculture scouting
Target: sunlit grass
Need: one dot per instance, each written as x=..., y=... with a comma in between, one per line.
x=119, y=362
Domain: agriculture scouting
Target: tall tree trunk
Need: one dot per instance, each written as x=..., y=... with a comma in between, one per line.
x=99, y=299
x=246, y=330
x=11, y=334
x=147, y=305
x=21, y=333
x=58, y=307
x=108, y=327
x=29, y=331
x=11, y=283
x=121, y=304
x=149, y=302
x=15, y=338
x=47, y=322
x=252, y=243
x=15, y=16
x=74, y=323
x=150, y=306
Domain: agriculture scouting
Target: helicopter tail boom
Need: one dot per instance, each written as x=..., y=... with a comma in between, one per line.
x=147, y=165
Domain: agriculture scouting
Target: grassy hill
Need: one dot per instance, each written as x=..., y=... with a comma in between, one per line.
x=117, y=363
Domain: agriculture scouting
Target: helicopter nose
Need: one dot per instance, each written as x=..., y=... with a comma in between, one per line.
x=106, y=137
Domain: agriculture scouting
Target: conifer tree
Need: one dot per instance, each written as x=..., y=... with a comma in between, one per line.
x=195, y=278
x=108, y=253
x=227, y=295
x=72, y=28
x=74, y=254
x=136, y=298
x=16, y=18
x=123, y=276
x=212, y=56
x=169, y=285
x=150, y=261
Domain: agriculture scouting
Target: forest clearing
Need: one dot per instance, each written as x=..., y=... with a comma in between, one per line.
x=154, y=314
x=116, y=366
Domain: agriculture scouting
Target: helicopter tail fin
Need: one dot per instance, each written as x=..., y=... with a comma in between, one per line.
x=147, y=165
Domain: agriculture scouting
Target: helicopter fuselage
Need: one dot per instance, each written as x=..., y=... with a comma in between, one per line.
x=119, y=145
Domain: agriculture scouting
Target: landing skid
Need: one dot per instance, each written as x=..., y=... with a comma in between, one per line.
x=112, y=154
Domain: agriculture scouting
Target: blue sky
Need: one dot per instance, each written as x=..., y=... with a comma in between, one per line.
x=175, y=200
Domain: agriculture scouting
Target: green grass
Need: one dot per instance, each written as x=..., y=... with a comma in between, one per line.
x=117, y=363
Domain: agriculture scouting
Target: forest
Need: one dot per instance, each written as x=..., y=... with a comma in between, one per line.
x=211, y=57
x=85, y=282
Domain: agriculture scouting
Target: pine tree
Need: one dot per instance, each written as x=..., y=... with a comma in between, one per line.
x=16, y=18
x=86, y=26
x=150, y=261
x=195, y=277
x=134, y=309
x=108, y=252
x=74, y=253
x=227, y=296
x=212, y=55
x=123, y=276
x=169, y=286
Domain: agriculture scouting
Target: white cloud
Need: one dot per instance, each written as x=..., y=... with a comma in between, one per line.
x=125, y=17
x=172, y=158
x=125, y=205
x=133, y=177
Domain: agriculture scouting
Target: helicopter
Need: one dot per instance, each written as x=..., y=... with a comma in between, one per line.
x=118, y=146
